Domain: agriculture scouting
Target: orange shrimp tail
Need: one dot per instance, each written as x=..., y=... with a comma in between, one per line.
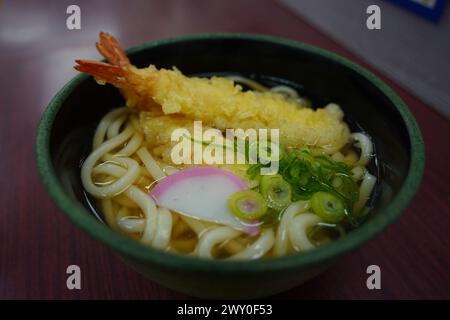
x=115, y=71
x=102, y=71
x=110, y=48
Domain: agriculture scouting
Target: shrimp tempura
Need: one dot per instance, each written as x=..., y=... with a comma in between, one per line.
x=217, y=101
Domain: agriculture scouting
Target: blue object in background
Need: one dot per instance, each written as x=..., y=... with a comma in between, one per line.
x=429, y=9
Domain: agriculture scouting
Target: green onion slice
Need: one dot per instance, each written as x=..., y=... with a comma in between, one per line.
x=328, y=206
x=247, y=205
x=276, y=191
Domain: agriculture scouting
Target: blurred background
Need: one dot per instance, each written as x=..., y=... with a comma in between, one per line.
x=410, y=47
x=37, y=51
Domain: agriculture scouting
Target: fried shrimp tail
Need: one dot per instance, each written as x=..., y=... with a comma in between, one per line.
x=116, y=70
x=217, y=101
x=110, y=48
x=119, y=72
x=102, y=71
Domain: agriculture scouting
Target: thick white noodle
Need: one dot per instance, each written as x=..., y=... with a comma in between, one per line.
x=148, y=207
x=258, y=248
x=150, y=164
x=365, y=190
x=102, y=127
x=163, y=229
x=108, y=213
x=298, y=231
x=366, y=146
x=131, y=224
x=120, y=184
x=282, y=244
x=122, y=212
x=111, y=168
x=213, y=237
x=157, y=225
x=198, y=226
x=114, y=128
x=132, y=145
x=116, y=187
x=285, y=90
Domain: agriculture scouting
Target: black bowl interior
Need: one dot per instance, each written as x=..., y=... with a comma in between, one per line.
x=321, y=79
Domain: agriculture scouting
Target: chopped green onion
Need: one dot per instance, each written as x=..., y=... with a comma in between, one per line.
x=308, y=174
x=276, y=191
x=328, y=206
x=247, y=205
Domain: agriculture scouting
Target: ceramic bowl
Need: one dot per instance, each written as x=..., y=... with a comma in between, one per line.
x=65, y=133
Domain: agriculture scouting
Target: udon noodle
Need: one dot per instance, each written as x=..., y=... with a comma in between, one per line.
x=125, y=165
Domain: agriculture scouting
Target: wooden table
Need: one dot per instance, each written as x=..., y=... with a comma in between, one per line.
x=37, y=242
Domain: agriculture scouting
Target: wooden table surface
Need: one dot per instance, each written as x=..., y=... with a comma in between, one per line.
x=37, y=242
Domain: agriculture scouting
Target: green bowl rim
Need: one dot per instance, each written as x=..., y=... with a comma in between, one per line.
x=131, y=248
